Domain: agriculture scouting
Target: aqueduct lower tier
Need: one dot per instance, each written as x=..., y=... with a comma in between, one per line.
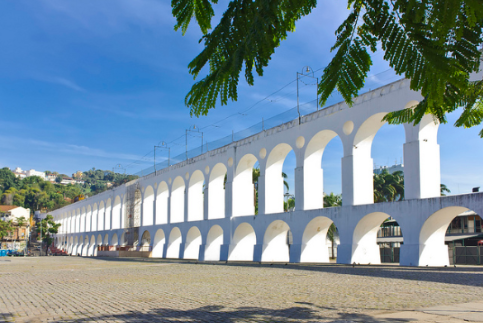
x=204, y=208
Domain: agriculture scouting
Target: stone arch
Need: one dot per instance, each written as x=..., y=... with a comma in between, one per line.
x=158, y=244
x=174, y=243
x=148, y=206
x=83, y=220
x=89, y=218
x=99, y=240
x=216, y=192
x=313, y=172
x=145, y=241
x=107, y=221
x=364, y=239
x=314, y=240
x=162, y=203
x=85, y=247
x=275, y=245
x=106, y=240
x=101, y=216
x=76, y=244
x=114, y=240
x=177, y=200
x=243, y=189
x=192, y=245
x=116, y=213
x=432, y=249
x=274, y=180
x=95, y=216
x=92, y=247
x=77, y=220
x=195, y=196
x=123, y=240
x=214, y=240
x=243, y=243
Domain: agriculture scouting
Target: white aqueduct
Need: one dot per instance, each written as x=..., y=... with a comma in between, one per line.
x=187, y=211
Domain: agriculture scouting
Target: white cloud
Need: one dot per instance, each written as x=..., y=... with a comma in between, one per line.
x=63, y=149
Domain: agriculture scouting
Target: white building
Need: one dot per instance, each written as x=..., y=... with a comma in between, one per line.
x=13, y=212
x=27, y=173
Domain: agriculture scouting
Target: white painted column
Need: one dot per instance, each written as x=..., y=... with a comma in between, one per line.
x=229, y=194
x=186, y=197
x=154, y=210
x=357, y=179
x=261, y=191
x=422, y=174
x=205, y=202
x=299, y=188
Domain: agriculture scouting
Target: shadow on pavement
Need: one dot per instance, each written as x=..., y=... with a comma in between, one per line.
x=220, y=314
x=467, y=276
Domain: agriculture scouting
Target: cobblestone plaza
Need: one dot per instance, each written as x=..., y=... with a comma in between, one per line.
x=73, y=289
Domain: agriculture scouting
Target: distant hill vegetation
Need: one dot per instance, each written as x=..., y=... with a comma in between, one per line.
x=38, y=194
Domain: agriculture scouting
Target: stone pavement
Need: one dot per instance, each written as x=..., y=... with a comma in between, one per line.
x=73, y=289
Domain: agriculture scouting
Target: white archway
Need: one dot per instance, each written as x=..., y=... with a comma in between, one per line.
x=174, y=243
x=116, y=213
x=162, y=203
x=101, y=216
x=243, y=243
x=158, y=244
x=275, y=244
x=195, y=196
x=114, y=240
x=214, y=240
x=365, y=249
x=243, y=189
x=92, y=246
x=273, y=179
x=192, y=245
x=216, y=192
x=89, y=219
x=107, y=221
x=148, y=206
x=94, y=220
x=314, y=240
x=177, y=200
x=432, y=249
x=313, y=172
x=85, y=247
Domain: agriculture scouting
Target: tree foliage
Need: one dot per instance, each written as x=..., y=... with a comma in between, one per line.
x=388, y=187
x=46, y=228
x=434, y=43
x=36, y=194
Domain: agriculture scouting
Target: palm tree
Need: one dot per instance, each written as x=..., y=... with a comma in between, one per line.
x=255, y=176
x=388, y=187
x=444, y=190
x=332, y=200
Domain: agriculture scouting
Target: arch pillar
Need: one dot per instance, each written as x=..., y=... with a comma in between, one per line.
x=154, y=209
x=422, y=174
x=357, y=179
x=261, y=193
x=229, y=193
x=206, y=191
x=299, y=188
x=186, y=199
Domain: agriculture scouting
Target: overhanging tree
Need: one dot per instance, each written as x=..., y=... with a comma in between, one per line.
x=47, y=227
x=434, y=43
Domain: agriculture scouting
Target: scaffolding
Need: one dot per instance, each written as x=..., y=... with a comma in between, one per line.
x=133, y=214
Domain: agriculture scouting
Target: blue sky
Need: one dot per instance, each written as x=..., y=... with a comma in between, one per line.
x=97, y=83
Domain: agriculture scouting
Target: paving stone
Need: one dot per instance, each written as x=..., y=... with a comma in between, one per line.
x=74, y=289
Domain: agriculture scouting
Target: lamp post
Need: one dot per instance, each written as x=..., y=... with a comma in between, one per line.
x=163, y=145
x=305, y=72
x=193, y=129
